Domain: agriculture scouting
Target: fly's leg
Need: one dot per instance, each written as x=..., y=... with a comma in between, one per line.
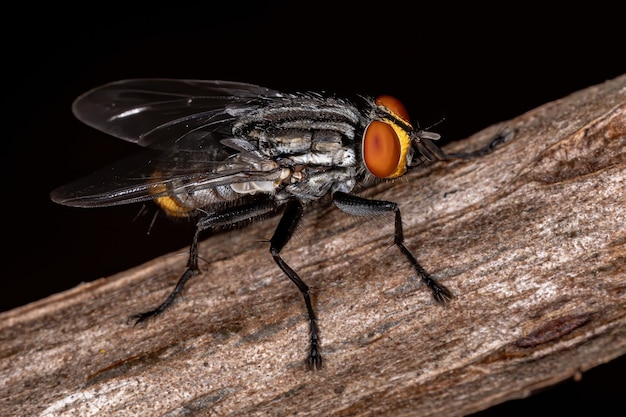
x=234, y=216
x=286, y=227
x=502, y=137
x=192, y=269
x=363, y=207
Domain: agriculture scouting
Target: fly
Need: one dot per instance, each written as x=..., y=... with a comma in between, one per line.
x=226, y=153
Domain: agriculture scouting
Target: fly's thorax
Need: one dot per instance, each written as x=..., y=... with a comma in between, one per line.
x=314, y=139
x=325, y=149
x=299, y=125
x=312, y=136
x=298, y=112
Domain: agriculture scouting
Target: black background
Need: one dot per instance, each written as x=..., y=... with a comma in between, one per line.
x=472, y=66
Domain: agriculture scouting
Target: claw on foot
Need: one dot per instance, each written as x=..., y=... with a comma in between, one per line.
x=315, y=360
x=141, y=317
x=441, y=294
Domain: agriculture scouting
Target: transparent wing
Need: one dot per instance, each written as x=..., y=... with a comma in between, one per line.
x=150, y=174
x=185, y=126
x=168, y=113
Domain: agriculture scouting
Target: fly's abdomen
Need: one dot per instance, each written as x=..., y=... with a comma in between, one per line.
x=178, y=200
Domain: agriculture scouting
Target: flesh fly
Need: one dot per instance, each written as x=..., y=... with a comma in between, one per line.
x=226, y=153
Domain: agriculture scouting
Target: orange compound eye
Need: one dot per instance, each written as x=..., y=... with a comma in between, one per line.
x=381, y=149
x=394, y=105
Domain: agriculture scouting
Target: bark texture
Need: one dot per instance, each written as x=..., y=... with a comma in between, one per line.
x=530, y=239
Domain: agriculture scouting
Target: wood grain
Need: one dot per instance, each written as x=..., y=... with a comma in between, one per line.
x=530, y=239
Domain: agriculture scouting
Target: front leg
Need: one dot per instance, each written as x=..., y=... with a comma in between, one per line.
x=363, y=207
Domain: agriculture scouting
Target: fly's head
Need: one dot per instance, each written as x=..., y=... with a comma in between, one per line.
x=390, y=141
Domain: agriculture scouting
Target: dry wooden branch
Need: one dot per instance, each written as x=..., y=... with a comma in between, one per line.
x=530, y=238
